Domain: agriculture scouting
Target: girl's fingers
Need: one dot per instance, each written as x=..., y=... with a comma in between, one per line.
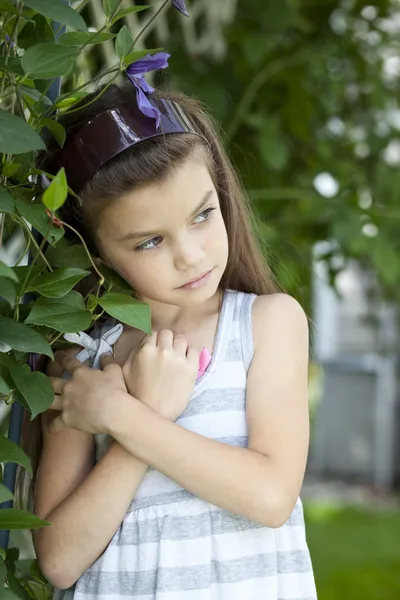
x=193, y=356
x=165, y=339
x=58, y=384
x=57, y=403
x=180, y=344
x=70, y=363
x=107, y=359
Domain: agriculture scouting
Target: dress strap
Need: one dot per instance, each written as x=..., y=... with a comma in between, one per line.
x=246, y=328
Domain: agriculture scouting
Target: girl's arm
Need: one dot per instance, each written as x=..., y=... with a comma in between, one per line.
x=261, y=482
x=84, y=504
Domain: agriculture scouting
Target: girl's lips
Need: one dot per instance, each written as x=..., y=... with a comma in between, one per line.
x=197, y=282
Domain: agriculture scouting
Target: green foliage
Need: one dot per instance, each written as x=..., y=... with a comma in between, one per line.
x=31, y=56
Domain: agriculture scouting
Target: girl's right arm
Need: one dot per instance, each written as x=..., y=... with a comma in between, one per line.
x=84, y=504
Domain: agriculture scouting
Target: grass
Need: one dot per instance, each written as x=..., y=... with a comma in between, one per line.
x=355, y=552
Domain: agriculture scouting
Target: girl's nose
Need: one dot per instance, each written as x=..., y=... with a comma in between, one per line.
x=188, y=252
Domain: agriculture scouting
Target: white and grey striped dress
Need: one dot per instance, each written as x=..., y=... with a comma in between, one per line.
x=173, y=546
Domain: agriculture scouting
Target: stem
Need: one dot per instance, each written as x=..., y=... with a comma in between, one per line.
x=68, y=112
x=38, y=248
x=139, y=35
x=3, y=218
x=86, y=250
x=9, y=46
x=28, y=245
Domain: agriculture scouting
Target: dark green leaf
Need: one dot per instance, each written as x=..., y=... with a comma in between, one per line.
x=56, y=129
x=4, y=386
x=114, y=278
x=56, y=194
x=63, y=255
x=126, y=11
x=123, y=42
x=35, y=387
x=26, y=272
x=5, y=495
x=58, y=283
x=11, y=453
x=59, y=315
x=21, y=337
x=6, y=271
x=34, y=94
x=36, y=31
x=9, y=595
x=8, y=6
x=3, y=570
x=11, y=168
x=59, y=12
x=80, y=38
x=128, y=310
x=36, y=215
x=12, y=518
x=16, y=136
x=13, y=65
x=6, y=202
x=44, y=61
x=7, y=291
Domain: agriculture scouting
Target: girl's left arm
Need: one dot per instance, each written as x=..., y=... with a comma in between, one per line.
x=261, y=482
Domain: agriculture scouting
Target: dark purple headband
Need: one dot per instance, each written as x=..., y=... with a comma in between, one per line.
x=111, y=132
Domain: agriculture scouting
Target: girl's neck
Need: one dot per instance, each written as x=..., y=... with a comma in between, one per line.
x=176, y=318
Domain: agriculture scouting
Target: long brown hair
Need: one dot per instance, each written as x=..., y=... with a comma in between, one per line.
x=144, y=164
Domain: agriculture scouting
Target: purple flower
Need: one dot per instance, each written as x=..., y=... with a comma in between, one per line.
x=135, y=73
x=180, y=5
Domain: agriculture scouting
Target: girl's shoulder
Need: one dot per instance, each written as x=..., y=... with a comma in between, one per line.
x=277, y=315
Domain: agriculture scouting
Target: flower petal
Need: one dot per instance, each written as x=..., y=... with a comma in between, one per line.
x=180, y=6
x=151, y=62
x=145, y=106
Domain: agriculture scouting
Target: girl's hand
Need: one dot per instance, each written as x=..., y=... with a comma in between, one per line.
x=88, y=401
x=162, y=372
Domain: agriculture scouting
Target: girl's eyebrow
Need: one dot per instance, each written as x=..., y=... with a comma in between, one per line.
x=144, y=234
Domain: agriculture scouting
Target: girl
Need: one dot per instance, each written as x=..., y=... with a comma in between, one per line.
x=163, y=478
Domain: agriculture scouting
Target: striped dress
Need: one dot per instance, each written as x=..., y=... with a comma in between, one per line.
x=173, y=546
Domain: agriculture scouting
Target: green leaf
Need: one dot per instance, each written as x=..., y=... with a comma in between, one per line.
x=37, y=31
x=56, y=194
x=9, y=169
x=21, y=337
x=12, y=518
x=3, y=569
x=126, y=11
x=59, y=315
x=13, y=65
x=114, y=278
x=7, y=291
x=9, y=595
x=110, y=6
x=8, y=6
x=58, y=283
x=12, y=453
x=35, y=387
x=36, y=574
x=6, y=271
x=124, y=42
x=23, y=272
x=36, y=215
x=34, y=94
x=128, y=310
x=138, y=54
x=56, y=129
x=44, y=61
x=63, y=255
x=5, y=495
x=7, y=204
x=16, y=136
x=59, y=12
x=80, y=38
x=4, y=387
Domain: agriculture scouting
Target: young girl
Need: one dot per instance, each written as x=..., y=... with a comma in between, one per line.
x=172, y=472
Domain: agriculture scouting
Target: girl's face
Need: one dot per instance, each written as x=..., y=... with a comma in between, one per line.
x=163, y=236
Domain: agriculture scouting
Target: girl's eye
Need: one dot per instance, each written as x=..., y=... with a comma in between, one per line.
x=149, y=244
x=206, y=215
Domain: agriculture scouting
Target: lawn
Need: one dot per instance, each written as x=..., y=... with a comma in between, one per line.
x=355, y=552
